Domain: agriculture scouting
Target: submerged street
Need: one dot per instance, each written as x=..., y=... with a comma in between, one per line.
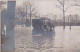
x=58, y=41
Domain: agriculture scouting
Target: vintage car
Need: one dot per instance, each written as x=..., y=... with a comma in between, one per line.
x=41, y=26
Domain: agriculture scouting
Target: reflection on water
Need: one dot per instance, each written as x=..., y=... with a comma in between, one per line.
x=58, y=41
x=43, y=40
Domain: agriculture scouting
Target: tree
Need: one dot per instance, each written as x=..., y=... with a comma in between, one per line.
x=76, y=3
x=63, y=5
x=2, y=3
x=26, y=11
x=30, y=10
x=20, y=13
x=25, y=5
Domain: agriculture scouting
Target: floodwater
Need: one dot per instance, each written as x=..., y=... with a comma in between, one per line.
x=58, y=41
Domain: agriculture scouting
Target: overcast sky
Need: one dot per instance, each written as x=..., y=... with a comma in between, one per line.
x=49, y=6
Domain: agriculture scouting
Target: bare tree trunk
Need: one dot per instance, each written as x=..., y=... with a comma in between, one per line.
x=62, y=7
x=63, y=17
x=70, y=22
x=30, y=16
x=26, y=12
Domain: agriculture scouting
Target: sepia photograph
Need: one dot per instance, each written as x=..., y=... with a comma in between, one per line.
x=39, y=25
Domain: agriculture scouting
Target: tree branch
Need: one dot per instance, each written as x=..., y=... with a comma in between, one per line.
x=77, y=3
x=58, y=6
x=60, y=2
